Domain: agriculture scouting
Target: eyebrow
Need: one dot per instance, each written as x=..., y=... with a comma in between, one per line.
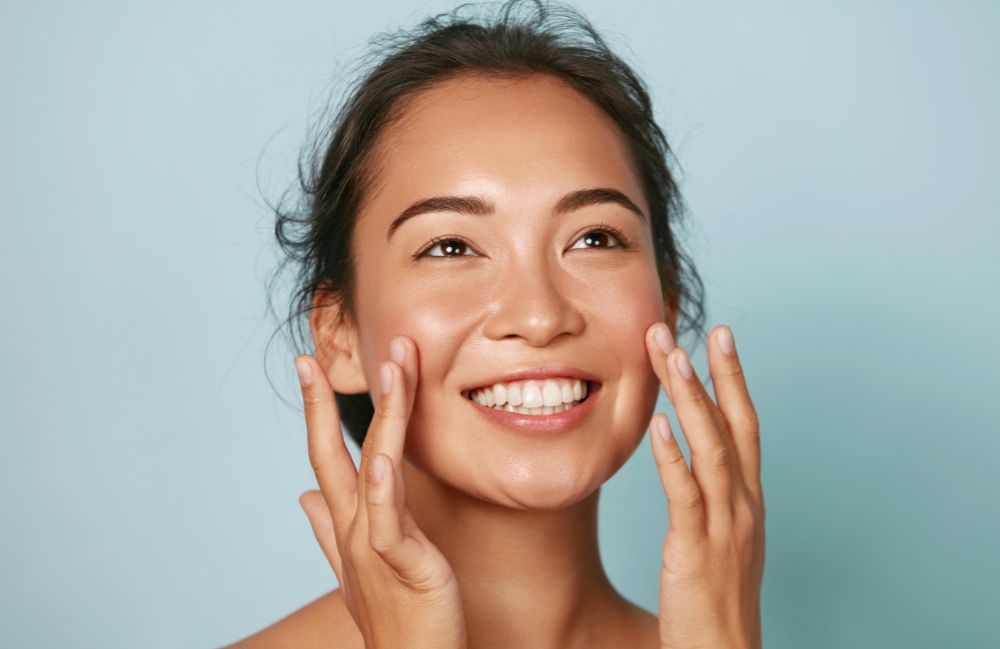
x=476, y=206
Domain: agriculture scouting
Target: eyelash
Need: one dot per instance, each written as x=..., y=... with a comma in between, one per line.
x=624, y=243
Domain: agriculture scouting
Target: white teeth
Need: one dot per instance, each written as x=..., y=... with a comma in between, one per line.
x=551, y=393
x=531, y=394
x=499, y=394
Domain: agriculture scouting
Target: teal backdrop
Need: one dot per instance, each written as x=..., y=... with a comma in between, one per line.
x=840, y=162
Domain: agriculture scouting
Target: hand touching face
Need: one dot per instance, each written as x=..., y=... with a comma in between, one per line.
x=398, y=587
x=713, y=555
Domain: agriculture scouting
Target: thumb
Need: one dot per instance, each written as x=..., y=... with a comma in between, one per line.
x=318, y=513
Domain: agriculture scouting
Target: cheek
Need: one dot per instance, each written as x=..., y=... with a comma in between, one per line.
x=634, y=309
x=625, y=309
x=436, y=320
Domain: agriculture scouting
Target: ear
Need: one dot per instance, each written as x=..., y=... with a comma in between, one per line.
x=336, y=342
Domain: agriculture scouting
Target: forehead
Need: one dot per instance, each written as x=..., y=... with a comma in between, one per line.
x=517, y=140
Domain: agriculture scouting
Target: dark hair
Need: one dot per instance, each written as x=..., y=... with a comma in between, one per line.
x=546, y=38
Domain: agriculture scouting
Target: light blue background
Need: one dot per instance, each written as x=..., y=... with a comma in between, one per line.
x=840, y=161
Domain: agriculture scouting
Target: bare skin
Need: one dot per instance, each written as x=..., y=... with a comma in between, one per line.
x=515, y=514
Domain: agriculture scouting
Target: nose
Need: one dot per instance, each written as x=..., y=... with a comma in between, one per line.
x=531, y=303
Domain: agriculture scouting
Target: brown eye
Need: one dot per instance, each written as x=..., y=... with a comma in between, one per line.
x=600, y=238
x=449, y=246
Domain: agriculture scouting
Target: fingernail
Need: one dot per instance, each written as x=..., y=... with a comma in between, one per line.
x=386, y=373
x=396, y=351
x=378, y=468
x=663, y=428
x=664, y=338
x=684, y=364
x=725, y=340
x=305, y=374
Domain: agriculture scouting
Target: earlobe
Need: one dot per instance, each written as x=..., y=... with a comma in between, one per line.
x=336, y=343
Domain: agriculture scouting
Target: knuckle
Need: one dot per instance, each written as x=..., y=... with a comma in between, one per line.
x=721, y=421
x=744, y=514
x=733, y=370
x=689, y=500
x=379, y=544
x=694, y=397
x=384, y=414
x=719, y=456
x=746, y=419
x=675, y=460
x=720, y=525
x=383, y=411
x=310, y=398
x=315, y=461
x=745, y=533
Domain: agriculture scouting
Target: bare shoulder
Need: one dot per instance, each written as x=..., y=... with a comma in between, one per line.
x=324, y=623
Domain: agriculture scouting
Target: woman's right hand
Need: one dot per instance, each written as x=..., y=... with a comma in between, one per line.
x=397, y=585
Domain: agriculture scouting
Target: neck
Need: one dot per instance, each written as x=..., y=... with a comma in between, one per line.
x=527, y=578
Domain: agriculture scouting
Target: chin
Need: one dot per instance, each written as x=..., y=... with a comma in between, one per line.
x=544, y=473
x=531, y=486
x=541, y=499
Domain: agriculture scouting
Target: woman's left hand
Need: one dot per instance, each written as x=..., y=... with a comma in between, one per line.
x=713, y=556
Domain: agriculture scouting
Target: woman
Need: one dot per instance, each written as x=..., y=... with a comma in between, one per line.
x=493, y=290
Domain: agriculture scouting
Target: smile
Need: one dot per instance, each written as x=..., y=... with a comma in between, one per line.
x=532, y=397
x=523, y=404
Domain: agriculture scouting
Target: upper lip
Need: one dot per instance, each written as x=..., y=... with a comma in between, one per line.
x=541, y=372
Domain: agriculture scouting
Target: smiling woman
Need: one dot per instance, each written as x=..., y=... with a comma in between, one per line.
x=489, y=269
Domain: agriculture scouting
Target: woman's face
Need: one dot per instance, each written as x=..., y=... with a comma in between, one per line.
x=528, y=288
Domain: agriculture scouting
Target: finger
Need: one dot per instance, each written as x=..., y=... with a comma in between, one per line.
x=685, y=506
x=711, y=457
x=318, y=513
x=387, y=432
x=659, y=343
x=403, y=351
x=385, y=528
x=734, y=400
x=328, y=455
x=658, y=338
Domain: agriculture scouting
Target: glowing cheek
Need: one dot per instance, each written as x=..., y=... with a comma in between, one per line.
x=635, y=309
x=633, y=302
x=438, y=322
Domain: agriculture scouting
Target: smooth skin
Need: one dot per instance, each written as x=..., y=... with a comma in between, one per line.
x=512, y=517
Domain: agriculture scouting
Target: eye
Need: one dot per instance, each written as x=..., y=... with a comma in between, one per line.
x=451, y=247
x=599, y=238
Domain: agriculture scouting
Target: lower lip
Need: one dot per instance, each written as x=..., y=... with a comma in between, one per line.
x=556, y=423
